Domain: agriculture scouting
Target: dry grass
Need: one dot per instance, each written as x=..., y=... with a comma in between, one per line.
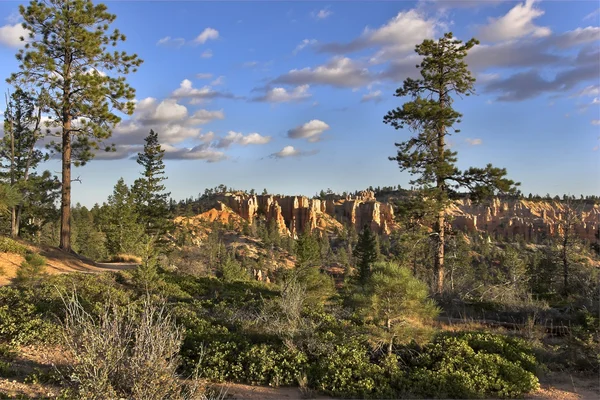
x=126, y=258
x=125, y=353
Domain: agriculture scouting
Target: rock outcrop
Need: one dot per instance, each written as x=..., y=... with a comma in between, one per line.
x=532, y=219
x=294, y=214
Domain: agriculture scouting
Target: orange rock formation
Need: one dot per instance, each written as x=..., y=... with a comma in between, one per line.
x=294, y=214
x=532, y=219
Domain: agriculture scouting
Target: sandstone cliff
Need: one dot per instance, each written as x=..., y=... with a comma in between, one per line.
x=295, y=214
x=532, y=219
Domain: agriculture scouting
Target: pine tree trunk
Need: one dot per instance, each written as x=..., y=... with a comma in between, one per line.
x=565, y=261
x=391, y=343
x=439, y=256
x=65, y=206
x=17, y=226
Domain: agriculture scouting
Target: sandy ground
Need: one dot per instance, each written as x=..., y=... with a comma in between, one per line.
x=57, y=262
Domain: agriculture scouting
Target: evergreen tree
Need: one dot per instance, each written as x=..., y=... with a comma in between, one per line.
x=366, y=252
x=88, y=240
x=120, y=222
x=431, y=116
x=150, y=197
x=19, y=157
x=67, y=58
x=392, y=296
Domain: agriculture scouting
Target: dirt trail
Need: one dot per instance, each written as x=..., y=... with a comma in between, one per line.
x=57, y=262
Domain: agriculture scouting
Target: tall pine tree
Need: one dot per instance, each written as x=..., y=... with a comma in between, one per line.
x=152, y=202
x=366, y=253
x=19, y=158
x=430, y=115
x=120, y=222
x=66, y=56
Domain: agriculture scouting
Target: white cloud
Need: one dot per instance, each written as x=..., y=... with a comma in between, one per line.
x=339, y=72
x=576, y=37
x=186, y=90
x=204, y=76
x=303, y=44
x=202, y=117
x=200, y=152
x=517, y=23
x=207, y=34
x=374, y=96
x=169, y=110
x=281, y=95
x=207, y=54
x=592, y=15
x=588, y=91
x=219, y=81
x=310, y=131
x=322, y=13
x=399, y=35
x=238, y=138
x=10, y=35
x=290, y=151
x=596, y=122
x=474, y=142
x=171, y=42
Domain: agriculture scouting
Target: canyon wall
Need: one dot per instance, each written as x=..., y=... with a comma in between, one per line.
x=533, y=220
x=294, y=214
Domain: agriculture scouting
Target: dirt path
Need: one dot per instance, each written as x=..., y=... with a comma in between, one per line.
x=57, y=262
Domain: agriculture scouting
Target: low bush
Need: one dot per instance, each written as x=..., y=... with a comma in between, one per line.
x=21, y=322
x=31, y=268
x=472, y=365
x=8, y=245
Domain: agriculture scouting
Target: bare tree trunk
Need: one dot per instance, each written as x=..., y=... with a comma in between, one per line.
x=65, y=206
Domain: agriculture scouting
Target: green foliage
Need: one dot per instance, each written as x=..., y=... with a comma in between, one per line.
x=31, y=268
x=366, y=252
x=87, y=238
x=81, y=84
x=347, y=371
x=394, y=300
x=473, y=365
x=119, y=222
x=33, y=194
x=232, y=270
x=21, y=322
x=430, y=115
x=8, y=245
x=67, y=46
x=150, y=199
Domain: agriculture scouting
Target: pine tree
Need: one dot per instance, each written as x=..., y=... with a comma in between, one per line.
x=66, y=56
x=120, y=222
x=150, y=197
x=365, y=253
x=19, y=157
x=430, y=115
x=393, y=296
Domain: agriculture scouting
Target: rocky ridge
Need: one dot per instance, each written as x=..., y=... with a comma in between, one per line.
x=532, y=219
x=295, y=214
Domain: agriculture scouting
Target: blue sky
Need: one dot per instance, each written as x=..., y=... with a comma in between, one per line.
x=290, y=96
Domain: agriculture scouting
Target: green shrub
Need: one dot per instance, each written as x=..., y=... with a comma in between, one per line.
x=473, y=365
x=32, y=268
x=347, y=371
x=8, y=245
x=6, y=370
x=21, y=322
